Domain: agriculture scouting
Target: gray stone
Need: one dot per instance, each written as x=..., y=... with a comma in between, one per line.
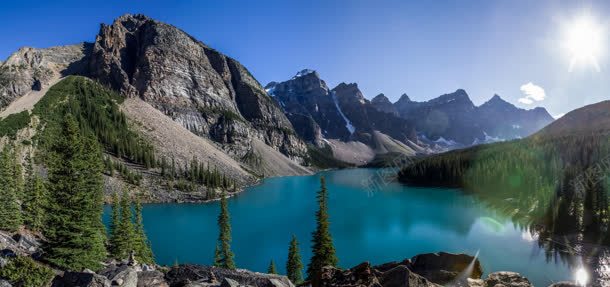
x=443, y=268
x=228, y=282
x=506, y=279
x=80, y=279
x=4, y=283
x=151, y=279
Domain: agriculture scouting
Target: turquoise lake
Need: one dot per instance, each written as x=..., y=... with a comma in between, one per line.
x=392, y=224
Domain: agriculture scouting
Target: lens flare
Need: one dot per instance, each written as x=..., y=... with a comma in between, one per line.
x=581, y=277
x=584, y=41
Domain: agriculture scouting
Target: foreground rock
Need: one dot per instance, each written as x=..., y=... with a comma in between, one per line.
x=22, y=244
x=184, y=275
x=424, y=270
x=197, y=275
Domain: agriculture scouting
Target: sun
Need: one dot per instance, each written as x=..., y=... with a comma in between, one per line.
x=584, y=42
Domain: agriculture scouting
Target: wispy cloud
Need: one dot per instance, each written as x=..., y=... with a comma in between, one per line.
x=532, y=93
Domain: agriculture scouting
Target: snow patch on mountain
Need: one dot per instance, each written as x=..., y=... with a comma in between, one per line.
x=348, y=123
x=443, y=141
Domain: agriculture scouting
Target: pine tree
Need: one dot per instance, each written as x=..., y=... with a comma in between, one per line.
x=271, y=269
x=10, y=211
x=124, y=233
x=75, y=231
x=35, y=201
x=223, y=257
x=142, y=246
x=294, y=266
x=323, y=248
x=115, y=219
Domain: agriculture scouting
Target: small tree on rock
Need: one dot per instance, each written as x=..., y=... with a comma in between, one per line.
x=223, y=256
x=294, y=266
x=323, y=247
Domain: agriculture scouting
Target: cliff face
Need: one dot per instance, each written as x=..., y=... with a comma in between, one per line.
x=209, y=93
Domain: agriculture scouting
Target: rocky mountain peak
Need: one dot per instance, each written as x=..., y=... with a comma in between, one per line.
x=306, y=72
x=382, y=103
x=381, y=99
x=459, y=97
x=210, y=94
x=350, y=91
x=404, y=98
x=497, y=102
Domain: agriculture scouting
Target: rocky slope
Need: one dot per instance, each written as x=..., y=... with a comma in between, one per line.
x=452, y=119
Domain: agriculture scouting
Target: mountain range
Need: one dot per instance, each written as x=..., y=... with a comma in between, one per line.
x=189, y=101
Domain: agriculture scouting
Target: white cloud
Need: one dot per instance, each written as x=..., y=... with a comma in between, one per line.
x=533, y=93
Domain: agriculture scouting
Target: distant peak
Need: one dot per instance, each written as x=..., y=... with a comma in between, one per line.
x=404, y=98
x=381, y=98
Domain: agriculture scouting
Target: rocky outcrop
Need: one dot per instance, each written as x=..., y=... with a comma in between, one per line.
x=31, y=69
x=207, y=92
x=433, y=269
x=366, y=275
x=197, y=275
x=21, y=243
x=444, y=268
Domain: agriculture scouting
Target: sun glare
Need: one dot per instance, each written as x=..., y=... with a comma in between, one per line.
x=584, y=42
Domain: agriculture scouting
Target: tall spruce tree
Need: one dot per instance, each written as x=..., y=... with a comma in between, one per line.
x=323, y=248
x=34, y=204
x=75, y=231
x=124, y=233
x=223, y=256
x=142, y=246
x=35, y=198
x=294, y=266
x=115, y=219
x=10, y=211
x=271, y=269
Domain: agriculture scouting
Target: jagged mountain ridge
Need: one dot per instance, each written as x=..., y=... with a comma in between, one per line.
x=342, y=118
x=453, y=117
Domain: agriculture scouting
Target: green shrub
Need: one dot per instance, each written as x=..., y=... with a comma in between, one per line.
x=23, y=271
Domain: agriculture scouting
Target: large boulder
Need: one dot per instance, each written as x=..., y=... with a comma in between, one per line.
x=390, y=275
x=28, y=243
x=506, y=279
x=80, y=279
x=183, y=275
x=444, y=268
x=123, y=275
x=151, y=279
x=4, y=283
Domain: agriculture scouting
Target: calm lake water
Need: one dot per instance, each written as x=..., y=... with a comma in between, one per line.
x=395, y=223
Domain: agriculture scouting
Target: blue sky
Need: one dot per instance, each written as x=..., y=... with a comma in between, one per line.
x=422, y=48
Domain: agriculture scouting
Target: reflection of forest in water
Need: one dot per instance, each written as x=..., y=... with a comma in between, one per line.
x=555, y=188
